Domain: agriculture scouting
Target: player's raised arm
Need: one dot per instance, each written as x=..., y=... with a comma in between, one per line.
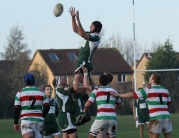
x=73, y=14
x=81, y=31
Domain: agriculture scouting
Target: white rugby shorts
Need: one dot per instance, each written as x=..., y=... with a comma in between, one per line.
x=159, y=125
x=109, y=126
x=36, y=127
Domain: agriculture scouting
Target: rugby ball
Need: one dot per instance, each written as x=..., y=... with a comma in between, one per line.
x=58, y=9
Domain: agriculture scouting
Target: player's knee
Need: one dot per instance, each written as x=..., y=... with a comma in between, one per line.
x=91, y=136
x=141, y=129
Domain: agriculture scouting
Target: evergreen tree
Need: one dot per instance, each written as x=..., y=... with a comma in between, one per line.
x=166, y=58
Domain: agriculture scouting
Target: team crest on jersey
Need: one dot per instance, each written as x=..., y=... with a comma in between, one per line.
x=66, y=88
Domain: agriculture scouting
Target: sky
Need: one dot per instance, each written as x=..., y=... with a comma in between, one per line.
x=155, y=21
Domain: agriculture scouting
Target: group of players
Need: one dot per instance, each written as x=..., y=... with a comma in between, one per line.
x=39, y=110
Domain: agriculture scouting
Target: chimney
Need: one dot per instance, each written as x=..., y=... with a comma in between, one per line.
x=149, y=56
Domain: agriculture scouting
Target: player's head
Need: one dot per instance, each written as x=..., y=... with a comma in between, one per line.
x=96, y=26
x=47, y=90
x=61, y=80
x=103, y=80
x=139, y=88
x=29, y=79
x=155, y=78
x=109, y=75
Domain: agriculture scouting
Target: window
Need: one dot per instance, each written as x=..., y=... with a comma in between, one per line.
x=122, y=78
x=72, y=56
x=53, y=57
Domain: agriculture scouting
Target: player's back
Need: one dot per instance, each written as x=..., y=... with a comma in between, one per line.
x=31, y=100
x=105, y=103
x=158, y=100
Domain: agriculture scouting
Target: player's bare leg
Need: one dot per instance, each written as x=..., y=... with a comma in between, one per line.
x=73, y=135
x=65, y=135
x=154, y=135
x=107, y=136
x=147, y=125
x=167, y=135
x=56, y=136
x=28, y=135
x=141, y=131
x=91, y=136
x=102, y=134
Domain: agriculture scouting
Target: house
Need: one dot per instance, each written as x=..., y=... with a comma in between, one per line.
x=56, y=62
x=141, y=65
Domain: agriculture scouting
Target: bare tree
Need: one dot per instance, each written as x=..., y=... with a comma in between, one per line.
x=18, y=53
x=16, y=48
x=153, y=48
x=125, y=47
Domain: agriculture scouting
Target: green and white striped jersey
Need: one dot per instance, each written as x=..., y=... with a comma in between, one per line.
x=158, y=100
x=105, y=102
x=31, y=100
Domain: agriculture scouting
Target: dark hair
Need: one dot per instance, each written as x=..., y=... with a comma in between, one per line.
x=157, y=78
x=103, y=80
x=98, y=26
x=46, y=86
x=29, y=79
x=139, y=88
x=109, y=75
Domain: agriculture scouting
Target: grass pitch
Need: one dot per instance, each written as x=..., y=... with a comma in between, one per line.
x=126, y=128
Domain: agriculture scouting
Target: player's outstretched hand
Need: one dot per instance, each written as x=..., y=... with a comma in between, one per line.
x=72, y=11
